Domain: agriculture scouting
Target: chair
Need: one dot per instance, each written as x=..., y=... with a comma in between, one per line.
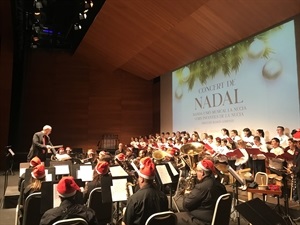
x=72, y=221
x=32, y=205
x=222, y=210
x=162, y=218
x=103, y=211
x=261, y=178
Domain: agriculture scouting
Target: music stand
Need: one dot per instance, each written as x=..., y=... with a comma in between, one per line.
x=238, y=180
x=284, y=176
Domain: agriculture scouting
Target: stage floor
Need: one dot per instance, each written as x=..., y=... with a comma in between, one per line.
x=8, y=215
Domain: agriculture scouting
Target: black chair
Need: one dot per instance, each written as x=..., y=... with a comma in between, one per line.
x=72, y=221
x=103, y=211
x=162, y=218
x=32, y=205
x=222, y=210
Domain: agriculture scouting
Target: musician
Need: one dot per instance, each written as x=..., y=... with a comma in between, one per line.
x=37, y=177
x=147, y=200
x=248, y=137
x=296, y=162
x=32, y=164
x=199, y=204
x=234, y=135
x=40, y=144
x=120, y=149
x=259, y=160
x=276, y=163
x=69, y=207
x=100, y=170
x=281, y=136
x=240, y=163
x=261, y=134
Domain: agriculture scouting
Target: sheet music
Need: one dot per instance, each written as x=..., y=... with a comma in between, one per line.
x=119, y=190
x=62, y=169
x=173, y=170
x=22, y=171
x=11, y=152
x=56, y=198
x=48, y=175
x=163, y=174
x=118, y=171
x=85, y=173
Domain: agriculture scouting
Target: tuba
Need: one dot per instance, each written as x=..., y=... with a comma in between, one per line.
x=194, y=152
x=158, y=156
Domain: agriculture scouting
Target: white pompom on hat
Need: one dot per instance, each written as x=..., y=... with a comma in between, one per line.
x=206, y=165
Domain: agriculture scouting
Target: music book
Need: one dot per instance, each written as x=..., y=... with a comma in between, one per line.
x=163, y=174
x=119, y=190
x=269, y=154
x=118, y=171
x=286, y=156
x=253, y=151
x=208, y=147
x=236, y=153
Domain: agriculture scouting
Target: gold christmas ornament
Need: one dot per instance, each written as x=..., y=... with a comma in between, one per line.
x=256, y=49
x=272, y=69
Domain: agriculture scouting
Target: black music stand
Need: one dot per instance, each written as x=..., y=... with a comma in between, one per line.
x=284, y=176
x=164, y=176
x=238, y=181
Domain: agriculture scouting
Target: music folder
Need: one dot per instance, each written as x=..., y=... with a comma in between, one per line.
x=236, y=153
x=269, y=155
x=253, y=151
x=286, y=156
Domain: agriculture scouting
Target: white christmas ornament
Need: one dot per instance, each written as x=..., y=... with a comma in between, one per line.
x=256, y=49
x=272, y=69
x=178, y=92
x=186, y=74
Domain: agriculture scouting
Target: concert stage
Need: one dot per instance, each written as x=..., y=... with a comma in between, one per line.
x=7, y=214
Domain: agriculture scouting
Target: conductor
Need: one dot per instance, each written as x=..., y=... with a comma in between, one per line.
x=40, y=144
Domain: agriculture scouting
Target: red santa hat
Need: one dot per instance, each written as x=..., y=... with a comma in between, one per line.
x=206, y=165
x=102, y=167
x=67, y=187
x=38, y=172
x=35, y=161
x=147, y=171
x=121, y=157
x=143, y=160
x=296, y=136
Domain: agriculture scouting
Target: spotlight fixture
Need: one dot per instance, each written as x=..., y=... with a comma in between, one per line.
x=82, y=16
x=37, y=11
x=77, y=26
x=38, y=5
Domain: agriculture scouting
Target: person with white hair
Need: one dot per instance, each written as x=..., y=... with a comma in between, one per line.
x=40, y=144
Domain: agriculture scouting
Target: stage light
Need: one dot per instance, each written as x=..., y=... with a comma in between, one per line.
x=82, y=16
x=37, y=12
x=77, y=26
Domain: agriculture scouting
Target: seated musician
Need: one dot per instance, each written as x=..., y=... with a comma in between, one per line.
x=147, y=200
x=38, y=175
x=69, y=207
x=199, y=204
x=101, y=169
x=32, y=164
x=62, y=155
x=296, y=167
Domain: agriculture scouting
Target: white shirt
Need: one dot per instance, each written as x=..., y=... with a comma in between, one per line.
x=283, y=140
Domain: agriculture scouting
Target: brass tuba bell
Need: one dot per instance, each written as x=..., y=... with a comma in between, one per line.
x=158, y=156
x=194, y=151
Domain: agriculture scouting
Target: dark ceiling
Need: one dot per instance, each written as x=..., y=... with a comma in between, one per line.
x=149, y=38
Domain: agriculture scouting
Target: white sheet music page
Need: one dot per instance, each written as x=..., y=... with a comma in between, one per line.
x=163, y=174
x=85, y=173
x=118, y=171
x=56, y=198
x=62, y=169
x=119, y=190
x=174, y=171
x=48, y=175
